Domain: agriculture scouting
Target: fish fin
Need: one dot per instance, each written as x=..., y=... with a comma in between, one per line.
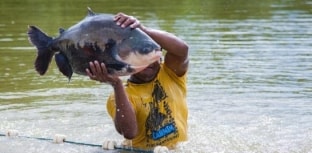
x=110, y=44
x=42, y=43
x=112, y=67
x=90, y=12
x=61, y=30
x=63, y=65
x=111, y=48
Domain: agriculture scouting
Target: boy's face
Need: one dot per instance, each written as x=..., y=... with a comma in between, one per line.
x=149, y=73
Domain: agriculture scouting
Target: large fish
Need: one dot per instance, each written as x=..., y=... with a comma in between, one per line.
x=97, y=37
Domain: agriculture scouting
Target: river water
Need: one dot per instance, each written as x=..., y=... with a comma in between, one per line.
x=249, y=84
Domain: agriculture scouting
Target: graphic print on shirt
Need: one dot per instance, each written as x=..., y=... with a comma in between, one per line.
x=160, y=125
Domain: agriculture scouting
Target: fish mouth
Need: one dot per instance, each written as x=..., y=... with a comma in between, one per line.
x=137, y=62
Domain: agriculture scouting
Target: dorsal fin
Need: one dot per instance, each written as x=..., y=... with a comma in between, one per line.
x=90, y=12
x=61, y=30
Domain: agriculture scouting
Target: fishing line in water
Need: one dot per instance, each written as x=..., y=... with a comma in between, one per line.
x=59, y=138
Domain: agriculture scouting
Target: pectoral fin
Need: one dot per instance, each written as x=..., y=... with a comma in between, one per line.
x=63, y=65
x=113, y=64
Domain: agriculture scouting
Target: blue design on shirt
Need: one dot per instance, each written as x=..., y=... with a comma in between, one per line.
x=162, y=132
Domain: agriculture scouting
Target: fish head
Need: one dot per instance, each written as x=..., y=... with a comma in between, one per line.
x=138, y=52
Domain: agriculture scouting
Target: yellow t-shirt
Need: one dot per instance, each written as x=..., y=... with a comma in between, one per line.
x=161, y=109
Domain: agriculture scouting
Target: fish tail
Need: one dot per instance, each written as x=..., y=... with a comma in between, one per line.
x=42, y=43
